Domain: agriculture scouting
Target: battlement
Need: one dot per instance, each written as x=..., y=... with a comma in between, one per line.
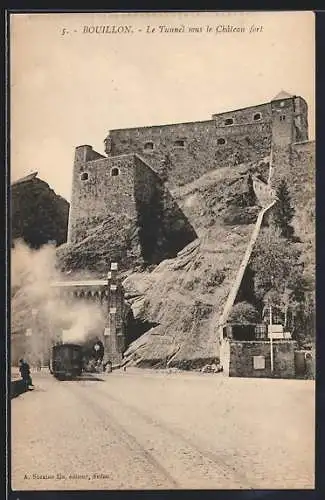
x=140, y=160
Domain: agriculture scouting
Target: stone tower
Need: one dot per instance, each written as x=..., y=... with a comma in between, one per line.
x=101, y=186
x=289, y=120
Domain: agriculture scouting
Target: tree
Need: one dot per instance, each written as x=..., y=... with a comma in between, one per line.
x=276, y=264
x=283, y=212
x=243, y=313
x=279, y=274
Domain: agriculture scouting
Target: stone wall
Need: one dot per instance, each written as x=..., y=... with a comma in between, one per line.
x=300, y=120
x=164, y=229
x=296, y=164
x=129, y=217
x=289, y=121
x=242, y=359
x=96, y=193
x=251, y=114
x=114, y=341
x=183, y=152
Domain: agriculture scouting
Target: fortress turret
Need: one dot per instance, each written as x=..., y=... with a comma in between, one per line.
x=289, y=119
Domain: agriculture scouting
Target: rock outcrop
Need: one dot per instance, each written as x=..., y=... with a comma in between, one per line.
x=153, y=232
x=38, y=214
x=184, y=294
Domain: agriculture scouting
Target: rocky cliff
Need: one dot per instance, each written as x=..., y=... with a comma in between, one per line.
x=186, y=293
x=38, y=214
x=180, y=297
x=156, y=230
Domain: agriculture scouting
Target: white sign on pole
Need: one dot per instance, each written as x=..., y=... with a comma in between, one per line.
x=276, y=331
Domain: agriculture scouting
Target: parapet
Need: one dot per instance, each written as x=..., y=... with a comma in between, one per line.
x=86, y=153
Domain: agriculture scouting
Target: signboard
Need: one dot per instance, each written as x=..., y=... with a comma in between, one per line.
x=275, y=328
x=259, y=362
x=276, y=331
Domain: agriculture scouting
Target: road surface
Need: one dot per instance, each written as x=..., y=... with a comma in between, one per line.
x=143, y=429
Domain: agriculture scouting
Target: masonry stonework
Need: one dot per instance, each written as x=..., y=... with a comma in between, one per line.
x=100, y=187
x=139, y=160
x=242, y=354
x=184, y=152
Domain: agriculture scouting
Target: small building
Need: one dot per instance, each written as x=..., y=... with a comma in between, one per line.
x=257, y=350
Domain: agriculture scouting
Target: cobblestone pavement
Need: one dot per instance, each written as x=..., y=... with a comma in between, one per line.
x=151, y=430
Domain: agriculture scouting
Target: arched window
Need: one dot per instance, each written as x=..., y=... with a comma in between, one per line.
x=180, y=143
x=114, y=172
x=229, y=121
x=221, y=141
x=148, y=146
x=257, y=117
x=84, y=176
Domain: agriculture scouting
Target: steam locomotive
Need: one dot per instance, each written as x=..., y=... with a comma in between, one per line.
x=69, y=360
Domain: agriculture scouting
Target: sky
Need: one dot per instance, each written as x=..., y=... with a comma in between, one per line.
x=71, y=89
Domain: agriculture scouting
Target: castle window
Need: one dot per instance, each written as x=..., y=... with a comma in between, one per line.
x=282, y=118
x=180, y=143
x=257, y=117
x=229, y=121
x=84, y=176
x=148, y=146
x=221, y=141
x=114, y=172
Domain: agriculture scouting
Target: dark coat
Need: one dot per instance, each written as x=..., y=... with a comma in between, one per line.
x=24, y=370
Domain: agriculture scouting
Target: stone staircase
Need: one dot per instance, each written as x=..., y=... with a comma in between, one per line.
x=266, y=198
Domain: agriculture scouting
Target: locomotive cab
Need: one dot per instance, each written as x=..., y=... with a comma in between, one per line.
x=66, y=361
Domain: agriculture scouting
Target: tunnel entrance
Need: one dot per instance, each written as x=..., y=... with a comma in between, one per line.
x=136, y=327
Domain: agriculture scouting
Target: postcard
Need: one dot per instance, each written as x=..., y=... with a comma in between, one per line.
x=163, y=250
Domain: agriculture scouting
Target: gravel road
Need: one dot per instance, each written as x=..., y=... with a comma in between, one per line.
x=142, y=429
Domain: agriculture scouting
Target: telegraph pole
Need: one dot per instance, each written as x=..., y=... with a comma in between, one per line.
x=271, y=339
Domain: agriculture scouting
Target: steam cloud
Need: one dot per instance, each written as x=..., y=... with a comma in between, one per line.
x=32, y=274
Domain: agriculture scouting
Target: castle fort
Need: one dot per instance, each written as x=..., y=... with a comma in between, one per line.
x=140, y=159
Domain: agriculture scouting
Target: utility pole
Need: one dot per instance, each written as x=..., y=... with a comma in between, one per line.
x=271, y=339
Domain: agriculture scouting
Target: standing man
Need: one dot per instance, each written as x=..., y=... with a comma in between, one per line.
x=25, y=373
